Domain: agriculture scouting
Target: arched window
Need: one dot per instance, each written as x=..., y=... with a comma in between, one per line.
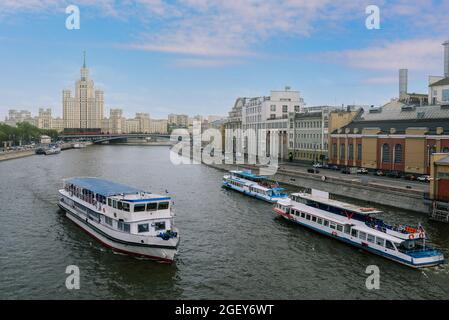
x=342, y=152
x=398, y=153
x=385, y=153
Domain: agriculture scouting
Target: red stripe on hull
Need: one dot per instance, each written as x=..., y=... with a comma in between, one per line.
x=162, y=260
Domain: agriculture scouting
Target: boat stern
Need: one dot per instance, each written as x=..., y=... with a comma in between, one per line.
x=427, y=258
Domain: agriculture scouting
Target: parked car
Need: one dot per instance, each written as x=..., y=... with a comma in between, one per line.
x=410, y=177
x=313, y=170
x=379, y=173
x=362, y=171
x=346, y=171
x=334, y=167
x=394, y=174
x=424, y=178
x=317, y=165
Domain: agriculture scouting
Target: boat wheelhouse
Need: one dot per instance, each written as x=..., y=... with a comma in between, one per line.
x=123, y=218
x=412, y=251
x=321, y=200
x=246, y=182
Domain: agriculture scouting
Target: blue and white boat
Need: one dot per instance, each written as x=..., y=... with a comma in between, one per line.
x=246, y=182
x=403, y=244
x=123, y=218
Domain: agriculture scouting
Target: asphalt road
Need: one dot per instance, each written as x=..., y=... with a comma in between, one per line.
x=368, y=178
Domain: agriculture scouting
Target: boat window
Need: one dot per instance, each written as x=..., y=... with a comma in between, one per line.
x=123, y=226
x=308, y=217
x=151, y=206
x=347, y=228
x=162, y=206
x=114, y=203
x=370, y=238
x=119, y=205
x=125, y=206
x=108, y=220
x=362, y=235
x=380, y=241
x=354, y=233
x=126, y=227
x=143, y=228
x=303, y=215
x=139, y=207
x=313, y=219
x=110, y=202
x=339, y=227
x=332, y=225
x=159, y=226
x=320, y=221
x=326, y=223
x=389, y=245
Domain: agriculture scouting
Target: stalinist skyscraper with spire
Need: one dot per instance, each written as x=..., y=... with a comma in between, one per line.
x=85, y=109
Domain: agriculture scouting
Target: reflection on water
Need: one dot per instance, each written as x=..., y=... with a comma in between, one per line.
x=231, y=246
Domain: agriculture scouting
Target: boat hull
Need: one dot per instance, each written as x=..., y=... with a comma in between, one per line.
x=414, y=263
x=165, y=254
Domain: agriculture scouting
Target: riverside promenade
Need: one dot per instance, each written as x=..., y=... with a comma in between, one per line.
x=355, y=187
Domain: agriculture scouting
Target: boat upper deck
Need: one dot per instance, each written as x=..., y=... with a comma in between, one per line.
x=247, y=174
x=111, y=189
x=335, y=203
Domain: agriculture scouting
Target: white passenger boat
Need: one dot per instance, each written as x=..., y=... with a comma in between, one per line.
x=356, y=226
x=52, y=150
x=123, y=218
x=79, y=145
x=253, y=185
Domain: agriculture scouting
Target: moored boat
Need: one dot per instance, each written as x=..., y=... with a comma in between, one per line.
x=405, y=244
x=123, y=218
x=52, y=149
x=246, y=182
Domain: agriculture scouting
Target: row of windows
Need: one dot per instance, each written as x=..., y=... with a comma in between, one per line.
x=151, y=206
x=350, y=151
x=309, y=124
x=145, y=227
x=234, y=183
x=346, y=229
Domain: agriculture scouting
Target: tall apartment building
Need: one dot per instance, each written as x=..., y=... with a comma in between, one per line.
x=85, y=109
x=44, y=119
x=158, y=126
x=178, y=120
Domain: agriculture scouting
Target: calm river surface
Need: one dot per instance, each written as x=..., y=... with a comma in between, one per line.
x=232, y=246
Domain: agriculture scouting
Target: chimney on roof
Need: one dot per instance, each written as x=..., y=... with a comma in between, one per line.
x=446, y=59
x=403, y=79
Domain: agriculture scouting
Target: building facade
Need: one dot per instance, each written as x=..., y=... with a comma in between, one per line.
x=395, y=137
x=269, y=113
x=85, y=108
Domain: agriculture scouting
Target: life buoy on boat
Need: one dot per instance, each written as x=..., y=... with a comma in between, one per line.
x=411, y=237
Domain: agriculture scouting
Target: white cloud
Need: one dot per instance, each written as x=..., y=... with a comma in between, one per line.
x=417, y=54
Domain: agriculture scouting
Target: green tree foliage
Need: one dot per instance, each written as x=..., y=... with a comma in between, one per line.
x=24, y=132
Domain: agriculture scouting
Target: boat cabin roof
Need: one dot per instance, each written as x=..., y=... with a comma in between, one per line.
x=338, y=204
x=248, y=174
x=110, y=189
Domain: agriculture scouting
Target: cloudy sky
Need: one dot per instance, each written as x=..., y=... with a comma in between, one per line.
x=198, y=56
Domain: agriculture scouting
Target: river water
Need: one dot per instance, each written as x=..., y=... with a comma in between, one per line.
x=232, y=246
